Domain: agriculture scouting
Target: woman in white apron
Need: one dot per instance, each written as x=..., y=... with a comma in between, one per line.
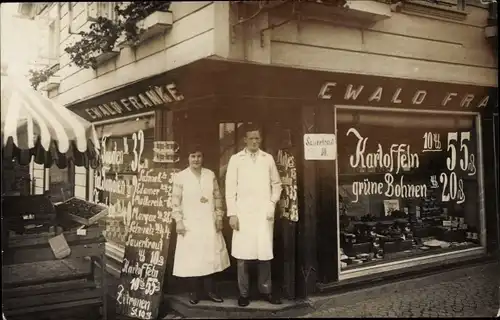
x=197, y=209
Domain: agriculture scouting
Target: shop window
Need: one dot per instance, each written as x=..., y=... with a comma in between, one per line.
x=408, y=185
x=61, y=183
x=452, y=4
x=123, y=145
x=15, y=178
x=231, y=141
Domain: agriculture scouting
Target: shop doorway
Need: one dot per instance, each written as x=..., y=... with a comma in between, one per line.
x=276, y=136
x=220, y=133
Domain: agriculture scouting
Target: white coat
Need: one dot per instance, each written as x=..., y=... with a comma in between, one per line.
x=252, y=190
x=201, y=250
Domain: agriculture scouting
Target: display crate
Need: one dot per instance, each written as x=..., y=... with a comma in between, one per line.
x=81, y=211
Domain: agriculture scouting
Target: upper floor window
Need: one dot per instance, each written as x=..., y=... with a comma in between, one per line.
x=101, y=9
x=49, y=38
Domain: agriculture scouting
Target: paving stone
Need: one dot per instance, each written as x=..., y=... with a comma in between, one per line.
x=474, y=293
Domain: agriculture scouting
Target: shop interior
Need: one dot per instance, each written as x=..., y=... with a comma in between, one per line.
x=391, y=209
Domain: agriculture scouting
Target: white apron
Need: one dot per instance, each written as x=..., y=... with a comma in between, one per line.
x=252, y=183
x=201, y=250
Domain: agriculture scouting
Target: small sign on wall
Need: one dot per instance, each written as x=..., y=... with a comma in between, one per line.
x=320, y=146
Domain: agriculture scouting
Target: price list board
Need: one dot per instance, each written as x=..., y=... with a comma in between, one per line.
x=139, y=292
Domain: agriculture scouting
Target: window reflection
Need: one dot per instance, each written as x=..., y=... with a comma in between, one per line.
x=407, y=185
x=61, y=183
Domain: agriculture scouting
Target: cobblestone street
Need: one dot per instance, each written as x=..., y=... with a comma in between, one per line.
x=471, y=292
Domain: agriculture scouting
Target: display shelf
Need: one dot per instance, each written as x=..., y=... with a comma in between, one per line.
x=35, y=281
x=412, y=253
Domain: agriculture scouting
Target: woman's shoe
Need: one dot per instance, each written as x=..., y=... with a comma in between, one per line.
x=193, y=298
x=214, y=297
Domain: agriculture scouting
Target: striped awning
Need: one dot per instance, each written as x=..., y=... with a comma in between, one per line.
x=34, y=126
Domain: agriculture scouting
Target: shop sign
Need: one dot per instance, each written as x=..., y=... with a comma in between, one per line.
x=403, y=97
x=165, y=152
x=141, y=102
x=319, y=146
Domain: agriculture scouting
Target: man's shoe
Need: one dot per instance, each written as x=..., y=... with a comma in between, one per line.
x=193, y=298
x=272, y=299
x=214, y=297
x=243, y=301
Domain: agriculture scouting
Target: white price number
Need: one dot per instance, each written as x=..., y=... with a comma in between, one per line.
x=453, y=188
x=138, y=139
x=135, y=284
x=156, y=259
x=467, y=159
x=142, y=255
x=141, y=314
x=152, y=286
x=432, y=141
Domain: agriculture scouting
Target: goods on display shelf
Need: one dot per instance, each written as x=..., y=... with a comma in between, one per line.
x=369, y=239
x=82, y=211
x=28, y=214
x=54, y=257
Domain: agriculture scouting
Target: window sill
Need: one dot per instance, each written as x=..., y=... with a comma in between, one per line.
x=425, y=8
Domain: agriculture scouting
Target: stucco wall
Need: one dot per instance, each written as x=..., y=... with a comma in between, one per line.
x=191, y=38
x=404, y=45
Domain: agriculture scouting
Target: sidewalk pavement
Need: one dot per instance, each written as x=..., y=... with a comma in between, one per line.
x=465, y=292
x=468, y=292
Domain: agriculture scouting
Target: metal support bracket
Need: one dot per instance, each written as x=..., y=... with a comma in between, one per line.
x=260, y=10
x=293, y=16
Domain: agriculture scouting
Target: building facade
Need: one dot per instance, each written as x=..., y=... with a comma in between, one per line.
x=386, y=110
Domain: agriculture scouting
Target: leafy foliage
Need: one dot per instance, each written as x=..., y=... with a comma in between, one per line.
x=104, y=32
x=101, y=38
x=40, y=76
x=137, y=11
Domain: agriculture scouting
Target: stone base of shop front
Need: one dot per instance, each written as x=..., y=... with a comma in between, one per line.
x=229, y=308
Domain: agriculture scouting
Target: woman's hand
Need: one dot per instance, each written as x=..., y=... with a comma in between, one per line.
x=218, y=224
x=234, y=223
x=180, y=228
x=270, y=211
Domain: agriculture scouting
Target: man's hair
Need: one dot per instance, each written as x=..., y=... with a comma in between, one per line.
x=251, y=127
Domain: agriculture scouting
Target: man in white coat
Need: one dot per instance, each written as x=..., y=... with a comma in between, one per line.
x=253, y=187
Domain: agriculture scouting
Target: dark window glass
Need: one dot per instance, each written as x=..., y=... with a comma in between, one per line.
x=61, y=183
x=407, y=185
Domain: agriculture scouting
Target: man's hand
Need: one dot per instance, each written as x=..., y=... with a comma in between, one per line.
x=218, y=224
x=180, y=228
x=270, y=211
x=234, y=223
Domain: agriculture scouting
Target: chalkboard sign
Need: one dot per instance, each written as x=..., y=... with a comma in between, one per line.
x=140, y=290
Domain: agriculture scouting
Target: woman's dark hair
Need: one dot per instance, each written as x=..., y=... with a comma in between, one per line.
x=193, y=148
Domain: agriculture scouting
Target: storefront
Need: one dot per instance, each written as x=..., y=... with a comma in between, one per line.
x=399, y=177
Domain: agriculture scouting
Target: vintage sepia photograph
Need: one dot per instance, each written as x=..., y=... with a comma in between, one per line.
x=250, y=159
